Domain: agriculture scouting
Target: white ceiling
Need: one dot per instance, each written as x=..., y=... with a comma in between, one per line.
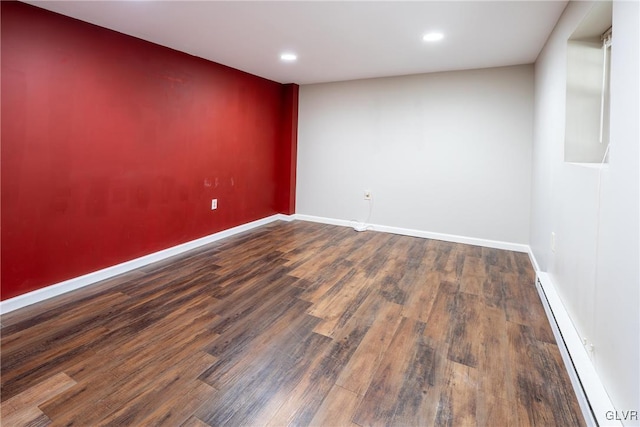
x=334, y=40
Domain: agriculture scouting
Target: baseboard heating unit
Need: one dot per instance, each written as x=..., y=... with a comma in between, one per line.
x=592, y=397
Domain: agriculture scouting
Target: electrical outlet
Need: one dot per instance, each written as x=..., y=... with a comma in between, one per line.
x=553, y=242
x=367, y=194
x=214, y=204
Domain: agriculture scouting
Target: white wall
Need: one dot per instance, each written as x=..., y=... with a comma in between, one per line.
x=595, y=267
x=445, y=152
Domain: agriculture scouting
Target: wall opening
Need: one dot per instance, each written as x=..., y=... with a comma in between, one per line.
x=589, y=51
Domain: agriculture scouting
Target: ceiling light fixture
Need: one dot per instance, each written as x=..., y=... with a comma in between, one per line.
x=288, y=57
x=433, y=37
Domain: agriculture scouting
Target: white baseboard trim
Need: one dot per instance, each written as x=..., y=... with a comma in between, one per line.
x=533, y=260
x=592, y=397
x=590, y=392
x=323, y=220
x=516, y=247
x=106, y=273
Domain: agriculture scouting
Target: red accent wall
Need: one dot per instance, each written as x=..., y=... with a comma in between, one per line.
x=113, y=147
x=288, y=154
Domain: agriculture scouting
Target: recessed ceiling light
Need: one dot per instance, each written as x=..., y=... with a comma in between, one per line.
x=433, y=37
x=288, y=57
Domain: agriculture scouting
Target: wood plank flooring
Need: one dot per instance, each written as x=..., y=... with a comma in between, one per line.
x=294, y=324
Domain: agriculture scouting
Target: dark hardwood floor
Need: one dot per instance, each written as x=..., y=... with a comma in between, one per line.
x=294, y=324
